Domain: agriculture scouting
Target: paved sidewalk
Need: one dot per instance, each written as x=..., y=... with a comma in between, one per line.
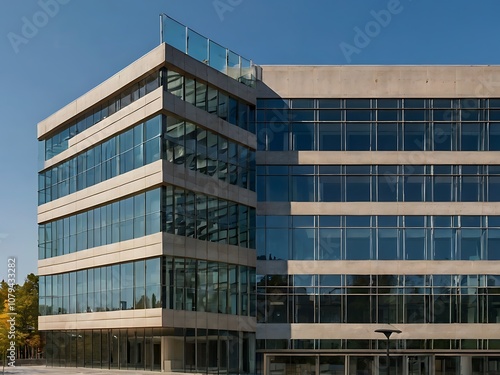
x=69, y=371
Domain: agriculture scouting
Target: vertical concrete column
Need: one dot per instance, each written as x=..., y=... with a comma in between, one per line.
x=465, y=365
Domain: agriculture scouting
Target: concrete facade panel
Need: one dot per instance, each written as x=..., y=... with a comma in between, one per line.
x=378, y=267
x=125, y=251
x=378, y=208
x=367, y=331
x=378, y=157
x=365, y=81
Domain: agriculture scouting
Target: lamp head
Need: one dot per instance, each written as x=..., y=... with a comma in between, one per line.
x=388, y=331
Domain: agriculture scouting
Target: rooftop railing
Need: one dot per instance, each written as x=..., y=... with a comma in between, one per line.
x=207, y=51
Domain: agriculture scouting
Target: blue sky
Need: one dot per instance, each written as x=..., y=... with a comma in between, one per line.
x=83, y=42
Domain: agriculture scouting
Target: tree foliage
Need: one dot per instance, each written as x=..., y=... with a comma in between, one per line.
x=26, y=308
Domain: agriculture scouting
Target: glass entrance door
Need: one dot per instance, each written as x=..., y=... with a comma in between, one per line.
x=418, y=365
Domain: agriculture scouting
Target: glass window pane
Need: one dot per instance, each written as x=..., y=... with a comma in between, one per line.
x=303, y=188
x=388, y=184
x=470, y=244
x=330, y=189
x=444, y=244
x=387, y=136
x=444, y=133
x=494, y=136
x=358, y=137
x=175, y=84
x=303, y=241
x=277, y=244
x=387, y=244
x=414, y=189
x=303, y=136
x=472, y=135
x=414, y=137
x=493, y=244
x=190, y=90
x=471, y=189
x=277, y=134
x=358, y=244
x=358, y=189
x=330, y=115
x=443, y=188
x=493, y=188
x=415, y=240
x=330, y=137
x=277, y=188
x=329, y=244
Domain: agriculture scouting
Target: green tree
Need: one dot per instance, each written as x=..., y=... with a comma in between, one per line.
x=26, y=306
x=4, y=334
x=28, y=337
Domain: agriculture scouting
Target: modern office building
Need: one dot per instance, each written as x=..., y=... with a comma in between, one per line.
x=201, y=214
x=147, y=218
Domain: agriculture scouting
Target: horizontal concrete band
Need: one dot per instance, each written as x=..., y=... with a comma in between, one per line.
x=154, y=245
x=378, y=157
x=105, y=192
x=125, y=251
x=163, y=55
x=146, y=318
x=328, y=331
x=378, y=267
x=378, y=208
x=154, y=103
x=135, y=113
x=140, y=179
x=374, y=81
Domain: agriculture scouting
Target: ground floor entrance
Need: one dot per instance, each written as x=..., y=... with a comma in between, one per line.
x=357, y=364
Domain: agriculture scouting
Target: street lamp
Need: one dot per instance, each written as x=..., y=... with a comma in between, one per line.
x=388, y=332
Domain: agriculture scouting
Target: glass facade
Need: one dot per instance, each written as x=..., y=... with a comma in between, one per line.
x=196, y=350
x=378, y=237
x=172, y=283
x=129, y=150
x=121, y=286
x=370, y=364
x=381, y=299
x=167, y=137
x=183, y=213
x=192, y=90
x=206, y=152
x=211, y=99
x=129, y=218
x=199, y=285
x=379, y=183
x=208, y=218
x=405, y=300
x=469, y=124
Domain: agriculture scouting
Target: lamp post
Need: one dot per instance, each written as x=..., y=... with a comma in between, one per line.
x=388, y=332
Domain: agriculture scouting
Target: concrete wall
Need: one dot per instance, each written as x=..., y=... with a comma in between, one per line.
x=373, y=81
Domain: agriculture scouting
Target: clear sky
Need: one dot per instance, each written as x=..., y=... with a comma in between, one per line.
x=72, y=47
